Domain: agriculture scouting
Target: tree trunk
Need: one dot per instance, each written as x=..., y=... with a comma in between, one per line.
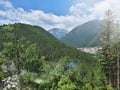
x=118, y=69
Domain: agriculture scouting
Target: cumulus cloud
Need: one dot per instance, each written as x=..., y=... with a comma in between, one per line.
x=35, y=17
x=115, y=7
x=78, y=14
x=100, y=8
x=6, y=3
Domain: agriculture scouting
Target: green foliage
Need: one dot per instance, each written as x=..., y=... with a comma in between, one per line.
x=110, y=49
x=34, y=65
x=27, y=79
x=110, y=88
x=48, y=45
x=31, y=51
x=66, y=84
x=89, y=76
x=2, y=74
x=49, y=64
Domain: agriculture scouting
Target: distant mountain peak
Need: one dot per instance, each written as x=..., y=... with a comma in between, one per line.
x=58, y=33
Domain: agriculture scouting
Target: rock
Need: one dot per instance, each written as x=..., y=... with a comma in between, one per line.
x=8, y=86
x=10, y=82
x=22, y=72
x=9, y=78
x=13, y=86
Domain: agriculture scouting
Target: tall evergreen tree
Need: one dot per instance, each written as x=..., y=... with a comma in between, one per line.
x=117, y=43
x=110, y=49
x=106, y=36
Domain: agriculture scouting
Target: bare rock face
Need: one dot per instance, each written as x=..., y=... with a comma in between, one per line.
x=10, y=82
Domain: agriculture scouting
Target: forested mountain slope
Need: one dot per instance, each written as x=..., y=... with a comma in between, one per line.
x=83, y=35
x=49, y=46
x=36, y=60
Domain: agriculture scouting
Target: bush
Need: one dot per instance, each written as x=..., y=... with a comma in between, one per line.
x=27, y=79
x=1, y=74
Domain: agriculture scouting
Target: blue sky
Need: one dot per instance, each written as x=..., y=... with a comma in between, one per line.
x=64, y=14
x=58, y=7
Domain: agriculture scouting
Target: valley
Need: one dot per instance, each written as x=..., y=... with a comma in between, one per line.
x=29, y=54
x=59, y=44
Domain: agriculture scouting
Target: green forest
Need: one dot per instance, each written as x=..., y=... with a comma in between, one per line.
x=39, y=61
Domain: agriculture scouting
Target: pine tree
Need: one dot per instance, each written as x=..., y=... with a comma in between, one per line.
x=117, y=43
x=106, y=36
x=110, y=49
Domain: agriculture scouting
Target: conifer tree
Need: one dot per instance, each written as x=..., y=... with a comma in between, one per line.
x=110, y=49
x=106, y=37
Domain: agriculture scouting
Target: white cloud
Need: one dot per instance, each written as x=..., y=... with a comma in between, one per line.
x=5, y=21
x=115, y=7
x=6, y=3
x=38, y=17
x=100, y=8
x=78, y=13
x=79, y=9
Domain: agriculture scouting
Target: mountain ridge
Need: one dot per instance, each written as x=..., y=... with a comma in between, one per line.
x=49, y=46
x=83, y=35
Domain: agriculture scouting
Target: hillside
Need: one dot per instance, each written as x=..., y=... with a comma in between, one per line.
x=26, y=63
x=58, y=33
x=49, y=46
x=83, y=35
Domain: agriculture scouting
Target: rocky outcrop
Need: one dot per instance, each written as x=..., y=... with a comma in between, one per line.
x=10, y=82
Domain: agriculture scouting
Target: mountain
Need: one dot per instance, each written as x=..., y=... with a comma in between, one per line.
x=49, y=47
x=42, y=60
x=58, y=33
x=83, y=35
